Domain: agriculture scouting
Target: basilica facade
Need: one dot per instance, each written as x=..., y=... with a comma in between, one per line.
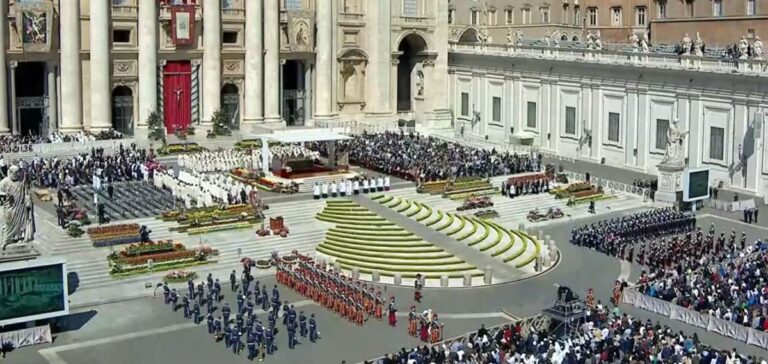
x=94, y=65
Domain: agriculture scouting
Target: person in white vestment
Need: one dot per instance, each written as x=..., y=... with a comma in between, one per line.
x=324, y=190
x=380, y=184
x=356, y=187
x=316, y=191
x=386, y=183
x=334, y=189
x=365, y=185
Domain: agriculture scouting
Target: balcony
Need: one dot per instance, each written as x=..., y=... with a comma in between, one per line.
x=125, y=9
x=351, y=18
x=233, y=13
x=755, y=67
x=415, y=20
x=165, y=12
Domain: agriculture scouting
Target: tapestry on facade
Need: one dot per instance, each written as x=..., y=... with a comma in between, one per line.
x=301, y=37
x=183, y=25
x=35, y=27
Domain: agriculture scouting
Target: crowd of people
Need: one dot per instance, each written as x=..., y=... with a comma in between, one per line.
x=259, y=338
x=349, y=298
x=514, y=189
x=227, y=159
x=644, y=233
x=204, y=190
x=603, y=337
x=416, y=157
x=16, y=143
x=349, y=187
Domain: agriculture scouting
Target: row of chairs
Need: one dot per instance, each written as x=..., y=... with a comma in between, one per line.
x=130, y=200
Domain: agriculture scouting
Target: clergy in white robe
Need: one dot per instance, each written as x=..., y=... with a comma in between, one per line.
x=386, y=183
x=316, y=191
x=334, y=189
x=365, y=186
x=343, y=188
x=356, y=187
x=380, y=184
x=324, y=190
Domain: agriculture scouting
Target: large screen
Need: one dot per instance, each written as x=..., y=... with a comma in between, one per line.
x=696, y=185
x=32, y=291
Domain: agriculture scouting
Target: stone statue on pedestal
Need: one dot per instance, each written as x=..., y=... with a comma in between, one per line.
x=519, y=37
x=634, y=40
x=598, y=42
x=546, y=39
x=686, y=44
x=18, y=210
x=674, y=156
x=743, y=47
x=698, y=46
x=645, y=43
x=510, y=37
x=757, y=48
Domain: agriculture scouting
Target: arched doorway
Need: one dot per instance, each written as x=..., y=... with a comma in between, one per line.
x=575, y=38
x=410, y=49
x=230, y=105
x=122, y=110
x=469, y=36
x=564, y=37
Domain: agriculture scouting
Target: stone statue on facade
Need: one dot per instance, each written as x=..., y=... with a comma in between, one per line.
x=586, y=135
x=420, y=83
x=556, y=39
x=634, y=40
x=546, y=39
x=519, y=37
x=674, y=156
x=18, y=210
x=598, y=42
x=743, y=48
x=757, y=48
x=686, y=44
x=510, y=37
x=590, y=41
x=645, y=43
x=698, y=45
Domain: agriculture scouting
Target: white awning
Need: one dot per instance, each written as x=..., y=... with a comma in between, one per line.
x=301, y=135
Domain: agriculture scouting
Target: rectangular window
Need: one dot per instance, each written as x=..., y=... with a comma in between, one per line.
x=662, y=127
x=689, y=8
x=531, y=121
x=577, y=17
x=465, y=104
x=717, y=8
x=592, y=16
x=614, y=127
x=526, y=16
x=716, y=143
x=451, y=14
x=410, y=7
x=497, y=109
x=570, y=120
x=121, y=36
x=545, y=15
x=509, y=16
x=640, y=16
x=229, y=38
x=662, y=10
x=474, y=17
x=229, y=4
x=751, y=7
x=292, y=4
x=492, y=17
x=616, y=17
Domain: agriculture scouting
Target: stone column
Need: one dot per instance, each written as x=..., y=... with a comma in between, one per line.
x=377, y=73
x=211, y=58
x=4, y=129
x=254, y=63
x=272, y=61
x=308, y=86
x=14, y=113
x=148, y=45
x=101, y=108
x=325, y=56
x=71, y=72
x=53, y=100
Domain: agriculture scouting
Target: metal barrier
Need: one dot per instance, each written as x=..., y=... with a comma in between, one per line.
x=611, y=185
x=66, y=148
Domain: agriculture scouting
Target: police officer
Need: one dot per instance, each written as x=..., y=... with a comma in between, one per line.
x=286, y=311
x=272, y=319
x=275, y=294
x=291, y=335
x=191, y=286
x=209, y=319
x=256, y=292
x=209, y=301
x=217, y=290
x=251, y=342
x=174, y=299
x=185, y=303
x=291, y=316
x=233, y=280
x=217, y=326
x=196, y=313
x=264, y=299
x=269, y=338
x=312, y=328
x=249, y=306
x=209, y=279
x=245, y=283
x=200, y=291
x=275, y=304
x=236, y=341
x=239, y=321
x=302, y=324
x=166, y=293
x=240, y=301
x=226, y=311
x=227, y=335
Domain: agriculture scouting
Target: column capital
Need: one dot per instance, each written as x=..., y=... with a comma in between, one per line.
x=13, y=64
x=195, y=62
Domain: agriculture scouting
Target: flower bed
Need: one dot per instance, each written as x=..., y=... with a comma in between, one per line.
x=103, y=236
x=179, y=148
x=595, y=198
x=141, y=249
x=217, y=228
x=526, y=178
x=74, y=230
x=179, y=276
x=164, y=255
x=570, y=190
x=263, y=264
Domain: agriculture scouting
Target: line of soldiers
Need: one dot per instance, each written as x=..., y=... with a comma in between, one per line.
x=425, y=326
x=338, y=293
x=260, y=339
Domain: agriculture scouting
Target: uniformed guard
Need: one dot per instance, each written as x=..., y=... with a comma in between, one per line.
x=227, y=335
x=292, y=335
x=251, y=342
x=257, y=293
x=209, y=279
x=276, y=294
x=236, y=342
x=196, y=313
x=302, y=324
x=285, y=313
x=226, y=311
x=264, y=299
x=240, y=301
x=217, y=290
x=249, y=307
x=166, y=293
x=239, y=321
x=233, y=280
x=209, y=321
x=191, y=287
x=312, y=328
x=269, y=338
x=185, y=303
x=217, y=327
x=245, y=282
x=259, y=332
x=200, y=293
x=174, y=299
x=272, y=318
x=209, y=301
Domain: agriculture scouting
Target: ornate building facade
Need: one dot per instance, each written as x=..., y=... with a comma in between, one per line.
x=87, y=64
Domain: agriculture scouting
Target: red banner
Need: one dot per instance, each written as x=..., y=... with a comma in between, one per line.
x=177, y=84
x=183, y=25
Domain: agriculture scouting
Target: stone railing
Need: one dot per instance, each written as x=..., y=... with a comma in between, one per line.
x=420, y=20
x=638, y=59
x=126, y=9
x=233, y=12
x=351, y=17
x=165, y=11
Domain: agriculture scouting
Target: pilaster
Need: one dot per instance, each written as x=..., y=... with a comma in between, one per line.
x=101, y=107
x=71, y=71
x=211, y=58
x=254, y=63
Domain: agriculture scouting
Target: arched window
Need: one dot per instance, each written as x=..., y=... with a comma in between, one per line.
x=122, y=110
x=230, y=105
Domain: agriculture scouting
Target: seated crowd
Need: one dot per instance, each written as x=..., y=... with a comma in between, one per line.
x=227, y=159
x=14, y=143
x=413, y=156
x=604, y=337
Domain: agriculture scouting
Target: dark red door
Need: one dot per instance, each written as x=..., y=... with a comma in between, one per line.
x=177, y=95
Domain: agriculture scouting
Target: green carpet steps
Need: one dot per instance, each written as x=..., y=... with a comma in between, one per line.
x=472, y=231
x=413, y=210
x=388, y=230
x=346, y=221
x=393, y=202
x=517, y=253
x=481, y=238
x=444, y=225
x=379, y=197
x=352, y=218
x=373, y=236
x=411, y=268
x=387, y=273
x=388, y=256
x=344, y=209
x=341, y=202
x=391, y=259
x=509, y=238
x=462, y=224
x=411, y=249
x=495, y=241
x=405, y=205
x=427, y=212
x=536, y=250
x=381, y=242
x=436, y=217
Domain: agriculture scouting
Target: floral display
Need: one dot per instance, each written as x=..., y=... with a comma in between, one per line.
x=74, y=230
x=164, y=255
x=179, y=276
x=212, y=219
x=103, y=236
x=179, y=148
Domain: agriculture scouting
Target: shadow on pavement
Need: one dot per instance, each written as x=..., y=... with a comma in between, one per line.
x=73, y=282
x=71, y=322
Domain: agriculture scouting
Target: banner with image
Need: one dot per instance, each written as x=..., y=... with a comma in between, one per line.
x=183, y=25
x=35, y=21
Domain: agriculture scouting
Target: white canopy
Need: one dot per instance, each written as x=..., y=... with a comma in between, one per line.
x=301, y=135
